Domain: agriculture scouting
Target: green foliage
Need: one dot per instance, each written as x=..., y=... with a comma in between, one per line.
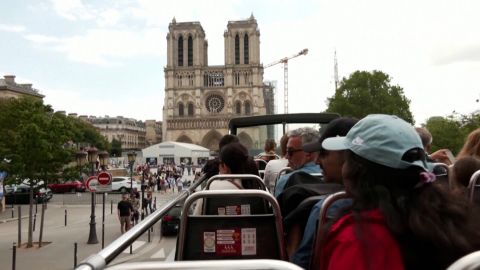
x=116, y=150
x=365, y=93
x=450, y=132
x=39, y=142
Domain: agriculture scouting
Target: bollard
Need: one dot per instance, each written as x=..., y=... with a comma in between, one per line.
x=65, y=217
x=14, y=256
x=111, y=206
x=148, y=235
x=13, y=212
x=130, y=249
x=75, y=249
x=19, y=226
x=36, y=206
x=34, y=221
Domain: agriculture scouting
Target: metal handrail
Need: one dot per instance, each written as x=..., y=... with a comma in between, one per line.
x=262, y=264
x=236, y=176
x=474, y=182
x=108, y=254
x=467, y=262
x=228, y=194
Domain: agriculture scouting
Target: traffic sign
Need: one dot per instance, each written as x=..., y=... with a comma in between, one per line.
x=104, y=178
x=92, y=183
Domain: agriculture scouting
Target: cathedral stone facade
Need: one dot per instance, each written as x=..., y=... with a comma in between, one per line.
x=201, y=99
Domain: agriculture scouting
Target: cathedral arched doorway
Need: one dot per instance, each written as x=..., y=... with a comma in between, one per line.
x=185, y=139
x=211, y=140
x=245, y=139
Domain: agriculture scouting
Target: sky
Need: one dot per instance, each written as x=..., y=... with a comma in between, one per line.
x=107, y=57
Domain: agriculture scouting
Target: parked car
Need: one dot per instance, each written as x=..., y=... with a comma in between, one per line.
x=67, y=186
x=21, y=195
x=122, y=184
x=171, y=221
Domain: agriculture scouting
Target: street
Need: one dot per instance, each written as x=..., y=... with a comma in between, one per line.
x=58, y=249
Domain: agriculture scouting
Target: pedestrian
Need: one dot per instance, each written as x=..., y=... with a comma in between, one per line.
x=125, y=210
x=179, y=184
x=136, y=206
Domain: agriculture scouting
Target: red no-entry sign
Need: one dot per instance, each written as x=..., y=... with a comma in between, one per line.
x=104, y=178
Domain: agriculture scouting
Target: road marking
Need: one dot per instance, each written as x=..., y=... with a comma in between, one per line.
x=159, y=255
x=136, y=245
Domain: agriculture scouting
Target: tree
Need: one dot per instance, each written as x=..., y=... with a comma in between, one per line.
x=365, y=93
x=446, y=133
x=116, y=149
x=39, y=143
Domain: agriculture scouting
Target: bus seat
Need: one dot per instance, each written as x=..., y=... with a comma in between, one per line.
x=231, y=236
x=474, y=188
x=322, y=221
x=236, y=205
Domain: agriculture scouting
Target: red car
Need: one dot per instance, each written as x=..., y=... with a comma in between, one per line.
x=67, y=186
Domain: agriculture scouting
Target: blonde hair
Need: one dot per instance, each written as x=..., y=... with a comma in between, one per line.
x=471, y=146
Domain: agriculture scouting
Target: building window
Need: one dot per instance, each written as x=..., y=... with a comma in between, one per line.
x=248, y=107
x=238, y=107
x=237, y=49
x=190, y=109
x=215, y=103
x=180, y=109
x=180, y=51
x=245, y=49
x=190, y=51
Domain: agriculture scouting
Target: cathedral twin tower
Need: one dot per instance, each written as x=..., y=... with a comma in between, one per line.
x=201, y=99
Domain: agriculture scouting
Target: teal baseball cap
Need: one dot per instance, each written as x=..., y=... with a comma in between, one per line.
x=382, y=139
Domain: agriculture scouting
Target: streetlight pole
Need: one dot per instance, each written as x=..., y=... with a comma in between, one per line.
x=92, y=236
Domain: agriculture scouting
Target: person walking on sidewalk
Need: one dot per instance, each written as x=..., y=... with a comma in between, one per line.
x=124, y=212
x=136, y=207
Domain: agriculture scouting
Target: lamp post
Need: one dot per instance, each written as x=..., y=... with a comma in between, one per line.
x=103, y=157
x=81, y=160
x=131, y=160
x=92, y=236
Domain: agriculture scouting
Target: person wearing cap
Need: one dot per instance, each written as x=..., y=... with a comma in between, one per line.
x=399, y=218
x=299, y=160
x=331, y=163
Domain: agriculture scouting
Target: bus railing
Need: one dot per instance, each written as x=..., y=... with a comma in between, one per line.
x=109, y=253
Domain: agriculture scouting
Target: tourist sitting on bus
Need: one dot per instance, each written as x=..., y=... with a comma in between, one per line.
x=472, y=145
x=269, y=153
x=275, y=166
x=297, y=158
x=399, y=219
x=461, y=172
x=233, y=159
x=331, y=162
x=437, y=156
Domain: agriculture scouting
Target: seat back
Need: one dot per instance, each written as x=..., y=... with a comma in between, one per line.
x=322, y=221
x=236, y=205
x=474, y=188
x=261, y=164
x=231, y=237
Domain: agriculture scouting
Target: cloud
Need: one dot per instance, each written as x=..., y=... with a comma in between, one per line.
x=470, y=53
x=105, y=47
x=72, y=10
x=12, y=28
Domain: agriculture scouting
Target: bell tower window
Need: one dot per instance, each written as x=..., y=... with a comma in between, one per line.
x=237, y=49
x=180, y=51
x=190, y=51
x=245, y=50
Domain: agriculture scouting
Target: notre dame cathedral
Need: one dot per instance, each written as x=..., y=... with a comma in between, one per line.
x=201, y=99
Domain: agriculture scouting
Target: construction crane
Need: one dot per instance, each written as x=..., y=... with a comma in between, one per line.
x=285, y=75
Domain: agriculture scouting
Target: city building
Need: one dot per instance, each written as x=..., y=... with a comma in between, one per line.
x=153, y=132
x=11, y=89
x=201, y=99
x=130, y=132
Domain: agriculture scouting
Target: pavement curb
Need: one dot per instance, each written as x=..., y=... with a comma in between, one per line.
x=12, y=219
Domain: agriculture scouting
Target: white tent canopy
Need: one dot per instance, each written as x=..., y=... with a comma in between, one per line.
x=168, y=152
